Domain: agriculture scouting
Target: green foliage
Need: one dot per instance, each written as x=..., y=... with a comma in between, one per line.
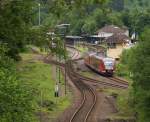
x=37, y=36
x=15, y=18
x=123, y=67
x=117, y=5
x=43, y=76
x=89, y=26
x=16, y=97
x=87, y=16
x=115, y=19
x=126, y=56
x=122, y=70
x=139, y=4
x=84, y=16
x=140, y=60
x=136, y=20
x=124, y=103
x=58, y=48
x=139, y=66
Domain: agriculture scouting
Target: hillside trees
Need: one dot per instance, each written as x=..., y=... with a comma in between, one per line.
x=81, y=15
x=15, y=20
x=16, y=96
x=139, y=66
x=136, y=20
x=139, y=4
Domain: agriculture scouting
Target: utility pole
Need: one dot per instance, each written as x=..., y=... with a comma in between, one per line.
x=41, y=105
x=65, y=67
x=62, y=37
x=39, y=14
x=57, y=70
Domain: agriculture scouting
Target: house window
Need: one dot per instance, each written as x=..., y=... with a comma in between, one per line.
x=111, y=45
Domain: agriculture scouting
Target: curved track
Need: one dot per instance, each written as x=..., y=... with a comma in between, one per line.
x=109, y=82
x=75, y=54
x=89, y=97
x=118, y=80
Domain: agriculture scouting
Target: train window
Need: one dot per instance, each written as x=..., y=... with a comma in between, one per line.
x=109, y=64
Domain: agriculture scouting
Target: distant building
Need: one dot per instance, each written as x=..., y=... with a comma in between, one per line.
x=115, y=38
x=109, y=30
x=116, y=44
x=94, y=39
x=73, y=40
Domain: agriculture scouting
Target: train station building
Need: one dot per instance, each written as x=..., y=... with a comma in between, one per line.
x=115, y=38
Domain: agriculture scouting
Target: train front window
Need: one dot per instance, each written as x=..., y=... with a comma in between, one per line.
x=109, y=64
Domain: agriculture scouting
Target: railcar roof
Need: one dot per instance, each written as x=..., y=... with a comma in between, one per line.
x=90, y=53
x=100, y=56
x=103, y=57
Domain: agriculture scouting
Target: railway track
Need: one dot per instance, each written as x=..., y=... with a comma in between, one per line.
x=107, y=83
x=75, y=53
x=118, y=80
x=110, y=81
x=89, y=97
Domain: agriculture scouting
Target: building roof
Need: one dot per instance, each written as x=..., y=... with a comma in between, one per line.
x=112, y=29
x=117, y=38
x=74, y=37
x=96, y=36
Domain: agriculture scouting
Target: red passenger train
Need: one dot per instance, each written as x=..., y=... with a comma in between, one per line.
x=100, y=63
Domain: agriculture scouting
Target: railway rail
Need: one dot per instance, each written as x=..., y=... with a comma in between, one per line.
x=118, y=80
x=107, y=83
x=75, y=54
x=110, y=82
x=89, y=97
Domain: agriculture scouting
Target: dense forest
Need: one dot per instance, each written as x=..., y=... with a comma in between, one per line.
x=139, y=4
x=87, y=17
x=19, y=27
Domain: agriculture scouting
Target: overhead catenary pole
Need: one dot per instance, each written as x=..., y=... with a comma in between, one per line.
x=60, y=45
x=65, y=67
x=59, y=58
x=39, y=14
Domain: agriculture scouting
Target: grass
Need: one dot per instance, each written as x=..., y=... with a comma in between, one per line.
x=41, y=50
x=40, y=74
x=122, y=102
x=82, y=49
x=87, y=74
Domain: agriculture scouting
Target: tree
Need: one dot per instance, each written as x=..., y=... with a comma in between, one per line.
x=16, y=97
x=79, y=14
x=139, y=66
x=15, y=20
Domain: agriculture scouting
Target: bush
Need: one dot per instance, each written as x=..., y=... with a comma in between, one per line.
x=16, y=97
